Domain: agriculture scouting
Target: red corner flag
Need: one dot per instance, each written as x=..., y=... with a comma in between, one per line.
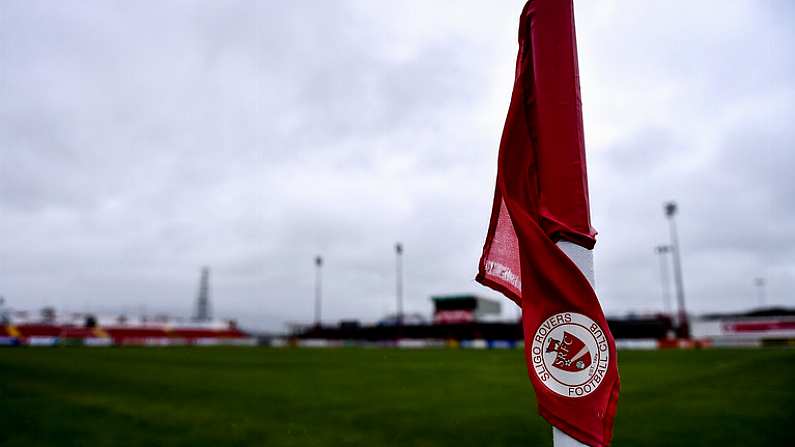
x=541, y=198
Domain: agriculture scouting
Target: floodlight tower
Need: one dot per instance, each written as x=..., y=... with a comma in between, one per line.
x=760, y=290
x=662, y=251
x=203, y=298
x=399, y=281
x=4, y=318
x=684, y=327
x=318, y=289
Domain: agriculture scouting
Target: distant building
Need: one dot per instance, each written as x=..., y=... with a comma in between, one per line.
x=769, y=326
x=451, y=309
x=405, y=319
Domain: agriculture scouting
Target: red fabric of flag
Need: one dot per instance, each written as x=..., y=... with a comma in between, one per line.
x=541, y=197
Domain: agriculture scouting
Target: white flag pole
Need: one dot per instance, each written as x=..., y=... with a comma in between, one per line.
x=560, y=439
x=583, y=259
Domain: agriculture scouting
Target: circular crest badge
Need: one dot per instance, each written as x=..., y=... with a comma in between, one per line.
x=570, y=354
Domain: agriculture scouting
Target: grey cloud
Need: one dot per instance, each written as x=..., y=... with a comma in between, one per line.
x=139, y=141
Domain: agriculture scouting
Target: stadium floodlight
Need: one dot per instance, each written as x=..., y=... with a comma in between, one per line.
x=399, y=282
x=662, y=251
x=318, y=291
x=760, y=290
x=671, y=210
x=203, y=297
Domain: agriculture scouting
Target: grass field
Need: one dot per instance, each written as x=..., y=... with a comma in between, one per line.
x=374, y=397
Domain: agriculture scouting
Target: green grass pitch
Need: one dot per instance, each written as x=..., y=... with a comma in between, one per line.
x=374, y=397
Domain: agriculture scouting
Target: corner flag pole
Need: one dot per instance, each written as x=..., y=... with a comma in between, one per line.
x=583, y=259
x=540, y=198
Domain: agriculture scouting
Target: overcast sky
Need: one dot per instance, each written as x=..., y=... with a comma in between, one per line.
x=142, y=140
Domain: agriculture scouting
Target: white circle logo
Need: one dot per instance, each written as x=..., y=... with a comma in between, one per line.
x=570, y=354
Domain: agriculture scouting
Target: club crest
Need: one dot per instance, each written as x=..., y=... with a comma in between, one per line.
x=570, y=354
